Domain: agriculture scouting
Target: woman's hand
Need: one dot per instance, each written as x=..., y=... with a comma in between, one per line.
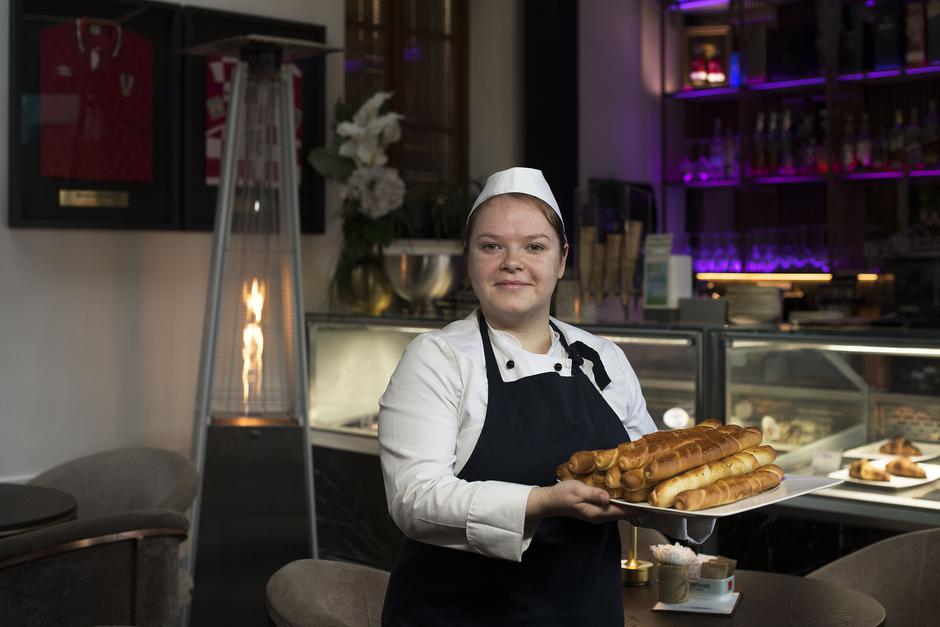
x=574, y=499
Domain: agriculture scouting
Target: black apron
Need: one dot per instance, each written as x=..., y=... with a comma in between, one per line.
x=570, y=574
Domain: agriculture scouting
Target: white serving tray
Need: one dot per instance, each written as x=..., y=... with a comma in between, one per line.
x=870, y=451
x=791, y=486
x=896, y=483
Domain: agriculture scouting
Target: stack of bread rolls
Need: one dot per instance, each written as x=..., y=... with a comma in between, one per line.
x=689, y=469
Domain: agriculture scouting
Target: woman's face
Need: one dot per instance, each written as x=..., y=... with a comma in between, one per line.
x=515, y=260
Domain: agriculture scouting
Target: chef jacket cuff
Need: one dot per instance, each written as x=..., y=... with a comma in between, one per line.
x=496, y=520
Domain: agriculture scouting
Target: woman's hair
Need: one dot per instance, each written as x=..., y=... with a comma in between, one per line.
x=538, y=203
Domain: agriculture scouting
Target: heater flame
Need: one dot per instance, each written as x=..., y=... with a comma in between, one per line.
x=253, y=339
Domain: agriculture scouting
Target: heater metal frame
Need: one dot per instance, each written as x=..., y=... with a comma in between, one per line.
x=289, y=194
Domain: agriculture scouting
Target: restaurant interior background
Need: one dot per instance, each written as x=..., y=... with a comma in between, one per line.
x=101, y=329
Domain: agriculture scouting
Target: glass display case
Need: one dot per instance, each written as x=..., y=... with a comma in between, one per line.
x=352, y=359
x=826, y=400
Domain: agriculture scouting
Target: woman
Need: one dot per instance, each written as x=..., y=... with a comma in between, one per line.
x=475, y=420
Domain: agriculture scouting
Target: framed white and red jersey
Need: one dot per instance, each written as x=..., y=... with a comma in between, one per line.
x=207, y=82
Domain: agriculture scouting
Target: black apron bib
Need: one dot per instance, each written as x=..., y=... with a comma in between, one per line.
x=570, y=574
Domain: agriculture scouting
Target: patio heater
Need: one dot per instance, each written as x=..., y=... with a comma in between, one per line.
x=255, y=509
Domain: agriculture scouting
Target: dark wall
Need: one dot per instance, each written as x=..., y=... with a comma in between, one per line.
x=550, y=109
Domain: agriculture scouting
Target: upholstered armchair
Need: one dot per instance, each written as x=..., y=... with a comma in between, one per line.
x=900, y=572
x=125, y=479
x=321, y=593
x=120, y=568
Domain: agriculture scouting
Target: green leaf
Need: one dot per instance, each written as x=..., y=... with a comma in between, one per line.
x=330, y=164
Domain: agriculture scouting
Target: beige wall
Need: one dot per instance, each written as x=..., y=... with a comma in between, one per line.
x=618, y=70
x=101, y=330
x=495, y=88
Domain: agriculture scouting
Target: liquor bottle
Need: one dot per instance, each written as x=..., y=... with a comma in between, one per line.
x=702, y=163
x=879, y=151
x=896, y=156
x=805, y=147
x=912, y=146
x=889, y=39
x=931, y=136
x=773, y=146
x=822, y=149
x=847, y=153
x=716, y=149
x=758, y=165
x=863, y=149
x=732, y=166
x=786, y=145
x=933, y=31
x=915, y=29
x=851, y=56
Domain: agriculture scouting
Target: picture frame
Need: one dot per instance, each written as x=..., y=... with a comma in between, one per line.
x=94, y=126
x=706, y=56
x=199, y=196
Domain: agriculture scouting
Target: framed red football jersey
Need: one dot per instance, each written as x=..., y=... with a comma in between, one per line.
x=95, y=102
x=95, y=134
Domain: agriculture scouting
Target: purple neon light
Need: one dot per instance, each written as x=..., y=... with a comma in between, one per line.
x=705, y=93
x=852, y=77
x=884, y=73
x=714, y=183
x=917, y=173
x=691, y=5
x=796, y=178
x=776, y=263
x=798, y=82
x=874, y=175
x=353, y=65
x=927, y=69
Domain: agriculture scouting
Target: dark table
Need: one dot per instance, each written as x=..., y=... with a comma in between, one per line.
x=768, y=600
x=28, y=507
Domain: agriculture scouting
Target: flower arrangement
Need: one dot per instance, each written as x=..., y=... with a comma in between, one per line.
x=372, y=190
x=376, y=208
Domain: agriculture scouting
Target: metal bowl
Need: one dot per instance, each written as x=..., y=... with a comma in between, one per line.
x=422, y=271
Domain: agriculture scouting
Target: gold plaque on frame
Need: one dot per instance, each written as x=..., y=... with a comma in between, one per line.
x=93, y=198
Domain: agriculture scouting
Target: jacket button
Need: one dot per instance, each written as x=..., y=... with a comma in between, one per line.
x=557, y=367
x=510, y=364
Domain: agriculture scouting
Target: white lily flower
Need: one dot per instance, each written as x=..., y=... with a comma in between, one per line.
x=370, y=107
x=350, y=129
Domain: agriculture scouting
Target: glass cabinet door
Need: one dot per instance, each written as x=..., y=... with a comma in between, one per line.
x=350, y=365
x=669, y=367
x=813, y=394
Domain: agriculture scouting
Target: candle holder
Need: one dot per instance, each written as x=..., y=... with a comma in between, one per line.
x=635, y=572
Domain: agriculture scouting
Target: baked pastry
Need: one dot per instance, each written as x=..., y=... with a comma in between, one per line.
x=748, y=460
x=730, y=490
x=702, y=448
x=904, y=467
x=862, y=469
x=898, y=445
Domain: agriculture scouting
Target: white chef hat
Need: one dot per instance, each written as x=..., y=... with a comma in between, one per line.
x=517, y=180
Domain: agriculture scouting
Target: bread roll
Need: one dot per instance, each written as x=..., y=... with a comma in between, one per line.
x=899, y=445
x=703, y=447
x=904, y=467
x=581, y=462
x=636, y=496
x=635, y=479
x=612, y=477
x=638, y=453
x=862, y=469
x=748, y=460
x=564, y=473
x=730, y=490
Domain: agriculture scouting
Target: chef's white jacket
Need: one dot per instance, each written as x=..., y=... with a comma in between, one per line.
x=430, y=419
